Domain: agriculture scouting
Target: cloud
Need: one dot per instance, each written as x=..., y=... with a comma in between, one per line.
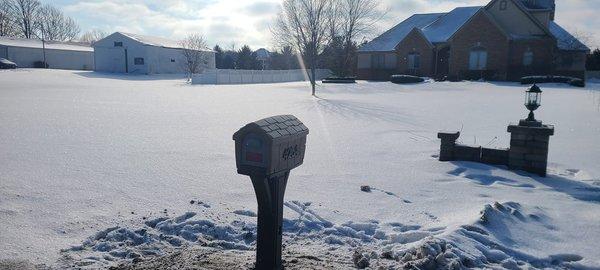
x=262, y=8
x=247, y=22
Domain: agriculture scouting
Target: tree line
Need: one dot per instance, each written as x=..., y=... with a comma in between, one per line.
x=33, y=20
x=246, y=58
x=593, y=60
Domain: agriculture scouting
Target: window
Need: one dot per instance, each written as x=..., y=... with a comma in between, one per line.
x=172, y=60
x=478, y=59
x=138, y=61
x=118, y=44
x=378, y=61
x=503, y=5
x=527, y=58
x=414, y=60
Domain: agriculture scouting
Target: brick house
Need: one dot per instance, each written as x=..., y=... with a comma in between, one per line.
x=504, y=40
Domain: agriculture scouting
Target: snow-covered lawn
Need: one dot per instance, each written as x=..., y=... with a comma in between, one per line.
x=89, y=161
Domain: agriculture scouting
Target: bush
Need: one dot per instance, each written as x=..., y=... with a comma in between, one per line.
x=402, y=79
x=577, y=82
x=40, y=64
x=339, y=80
x=553, y=79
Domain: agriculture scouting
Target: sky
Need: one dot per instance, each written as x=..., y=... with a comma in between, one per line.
x=233, y=23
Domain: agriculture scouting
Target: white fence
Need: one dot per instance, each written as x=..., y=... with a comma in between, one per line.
x=236, y=76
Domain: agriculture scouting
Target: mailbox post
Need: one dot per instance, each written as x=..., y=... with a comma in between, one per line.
x=266, y=150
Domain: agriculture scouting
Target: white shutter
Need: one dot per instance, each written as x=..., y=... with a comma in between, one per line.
x=482, y=60
x=473, y=60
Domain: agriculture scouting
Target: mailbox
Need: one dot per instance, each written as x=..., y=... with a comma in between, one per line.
x=266, y=150
x=270, y=146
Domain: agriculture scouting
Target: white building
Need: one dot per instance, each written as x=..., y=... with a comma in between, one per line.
x=58, y=55
x=138, y=54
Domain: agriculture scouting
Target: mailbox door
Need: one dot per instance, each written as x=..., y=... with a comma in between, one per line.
x=254, y=151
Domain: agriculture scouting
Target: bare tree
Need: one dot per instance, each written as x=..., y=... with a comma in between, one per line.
x=195, y=54
x=354, y=19
x=25, y=13
x=581, y=42
x=304, y=24
x=52, y=24
x=7, y=23
x=92, y=36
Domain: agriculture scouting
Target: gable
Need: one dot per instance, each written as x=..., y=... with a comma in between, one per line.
x=110, y=39
x=443, y=28
x=472, y=29
x=514, y=20
x=414, y=39
x=389, y=40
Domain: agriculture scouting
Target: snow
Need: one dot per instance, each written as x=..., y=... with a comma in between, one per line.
x=99, y=168
x=388, y=41
x=443, y=28
x=50, y=45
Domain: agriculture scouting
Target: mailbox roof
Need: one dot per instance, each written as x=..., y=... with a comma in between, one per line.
x=275, y=127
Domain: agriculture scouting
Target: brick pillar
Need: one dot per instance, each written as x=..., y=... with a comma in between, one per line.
x=529, y=147
x=448, y=144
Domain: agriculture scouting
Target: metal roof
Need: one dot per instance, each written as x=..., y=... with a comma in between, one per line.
x=50, y=45
x=155, y=41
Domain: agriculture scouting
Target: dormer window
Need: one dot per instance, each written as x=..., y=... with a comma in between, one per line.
x=503, y=4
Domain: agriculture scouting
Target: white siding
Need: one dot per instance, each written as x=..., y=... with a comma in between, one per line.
x=157, y=60
x=56, y=59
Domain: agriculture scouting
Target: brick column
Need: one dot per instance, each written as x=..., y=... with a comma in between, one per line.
x=448, y=144
x=529, y=147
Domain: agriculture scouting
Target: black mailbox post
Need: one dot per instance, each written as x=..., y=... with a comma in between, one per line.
x=266, y=150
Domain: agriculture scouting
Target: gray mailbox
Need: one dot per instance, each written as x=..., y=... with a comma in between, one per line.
x=266, y=150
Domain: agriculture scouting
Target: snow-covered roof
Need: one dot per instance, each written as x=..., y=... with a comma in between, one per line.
x=50, y=45
x=443, y=28
x=156, y=41
x=565, y=40
x=153, y=41
x=390, y=39
x=437, y=28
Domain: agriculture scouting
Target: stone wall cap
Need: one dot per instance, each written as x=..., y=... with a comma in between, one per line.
x=451, y=135
x=543, y=130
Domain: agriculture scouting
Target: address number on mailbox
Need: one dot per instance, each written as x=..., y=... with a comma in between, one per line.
x=290, y=152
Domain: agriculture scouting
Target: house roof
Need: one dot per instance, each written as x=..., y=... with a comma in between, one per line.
x=565, y=40
x=50, y=45
x=444, y=27
x=390, y=39
x=153, y=41
x=262, y=53
x=436, y=27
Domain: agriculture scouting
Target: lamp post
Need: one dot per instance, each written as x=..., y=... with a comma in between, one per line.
x=533, y=100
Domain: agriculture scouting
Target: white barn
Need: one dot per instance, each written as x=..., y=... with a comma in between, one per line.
x=138, y=54
x=59, y=55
